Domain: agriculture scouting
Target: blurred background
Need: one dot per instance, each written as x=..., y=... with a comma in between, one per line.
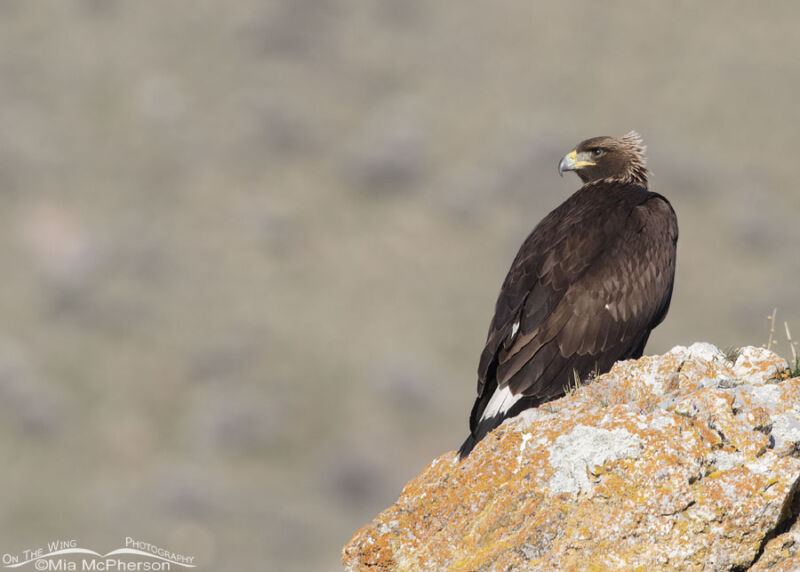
x=250, y=250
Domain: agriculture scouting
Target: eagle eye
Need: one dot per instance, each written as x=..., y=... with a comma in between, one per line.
x=598, y=152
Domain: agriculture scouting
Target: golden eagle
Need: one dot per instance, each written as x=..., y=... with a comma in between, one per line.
x=585, y=289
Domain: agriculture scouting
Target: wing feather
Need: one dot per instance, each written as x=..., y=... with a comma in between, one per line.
x=586, y=288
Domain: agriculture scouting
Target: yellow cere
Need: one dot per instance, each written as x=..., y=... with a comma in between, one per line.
x=573, y=157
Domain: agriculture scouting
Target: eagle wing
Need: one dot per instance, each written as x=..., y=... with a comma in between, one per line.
x=584, y=291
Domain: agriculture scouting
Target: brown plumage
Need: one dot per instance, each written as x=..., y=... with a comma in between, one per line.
x=585, y=289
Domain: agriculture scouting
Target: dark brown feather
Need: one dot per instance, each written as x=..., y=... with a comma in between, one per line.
x=587, y=287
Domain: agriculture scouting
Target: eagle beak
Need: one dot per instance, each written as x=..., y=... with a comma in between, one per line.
x=572, y=162
x=567, y=163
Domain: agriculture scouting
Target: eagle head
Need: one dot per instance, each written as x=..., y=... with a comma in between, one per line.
x=618, y=158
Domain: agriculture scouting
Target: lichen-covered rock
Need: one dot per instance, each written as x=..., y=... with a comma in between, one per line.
x=781, y=554
x=685, y=461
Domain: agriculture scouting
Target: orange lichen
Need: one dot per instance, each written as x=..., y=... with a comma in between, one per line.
x=701, y=487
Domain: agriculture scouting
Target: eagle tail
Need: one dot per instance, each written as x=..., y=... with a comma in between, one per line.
x=467, y=446
x=487, y=424
x=484, y=427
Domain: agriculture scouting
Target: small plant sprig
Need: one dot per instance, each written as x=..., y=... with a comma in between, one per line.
x=795, y=370
x=771, y=319
x=794, y=366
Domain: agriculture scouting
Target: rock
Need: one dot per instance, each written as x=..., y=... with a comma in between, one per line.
x=781, y=553
x=757, y=365
x=683, y=461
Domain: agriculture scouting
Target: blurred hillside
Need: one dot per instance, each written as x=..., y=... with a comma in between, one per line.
x=251, y=249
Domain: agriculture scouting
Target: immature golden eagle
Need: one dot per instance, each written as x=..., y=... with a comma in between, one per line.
x=585, y=289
